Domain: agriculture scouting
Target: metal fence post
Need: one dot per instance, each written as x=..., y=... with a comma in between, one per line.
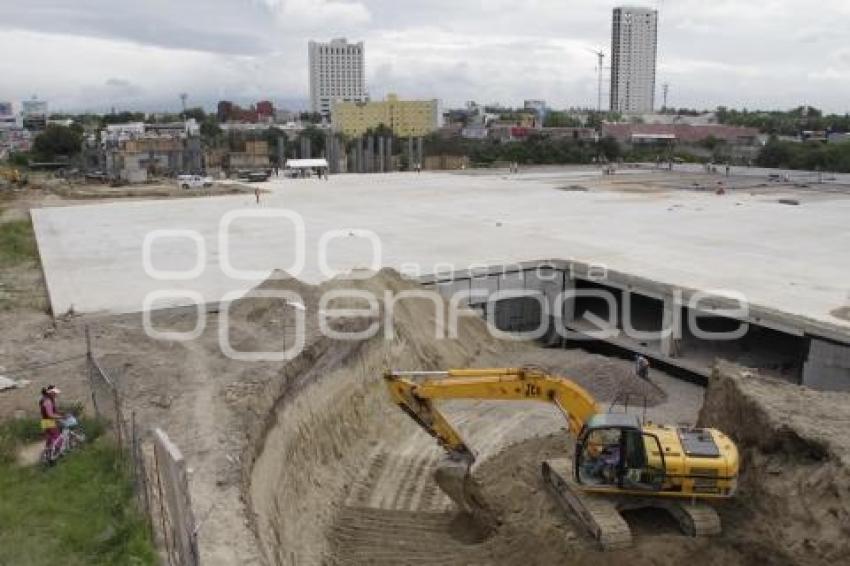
x=161, y=507
x=90, y=368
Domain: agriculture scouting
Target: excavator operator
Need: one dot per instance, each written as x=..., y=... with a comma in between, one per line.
x=604, y=467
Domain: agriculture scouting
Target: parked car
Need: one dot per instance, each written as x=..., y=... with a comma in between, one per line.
x=254, y=175
x=194, y=181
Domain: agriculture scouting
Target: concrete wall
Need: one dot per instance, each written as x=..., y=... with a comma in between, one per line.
x=516, y=296
x=827, y=366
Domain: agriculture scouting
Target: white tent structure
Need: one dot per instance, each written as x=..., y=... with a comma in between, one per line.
x=303, y=167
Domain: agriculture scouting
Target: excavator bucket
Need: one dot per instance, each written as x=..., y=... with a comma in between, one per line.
x=455, y=480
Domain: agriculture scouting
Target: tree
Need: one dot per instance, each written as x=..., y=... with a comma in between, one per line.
x=380, y=130
x=610, y=148
x=122, y=118
x=197, y=113
x=316, y=137
x=19, y=159
x=210, y=129
x=311, y=117
x=56, y=141
x=561, y=120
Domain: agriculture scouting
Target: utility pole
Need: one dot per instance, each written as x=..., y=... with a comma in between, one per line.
x=183, y=97
x=665, y=89
x=600, y=56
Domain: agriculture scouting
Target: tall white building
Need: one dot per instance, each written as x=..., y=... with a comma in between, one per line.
x=336, y=73
x=634, y=45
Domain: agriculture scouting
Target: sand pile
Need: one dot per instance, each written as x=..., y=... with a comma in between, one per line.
x=795, y=461
x=341, y=476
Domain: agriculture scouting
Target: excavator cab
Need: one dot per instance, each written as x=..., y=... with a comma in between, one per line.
x=612, y=452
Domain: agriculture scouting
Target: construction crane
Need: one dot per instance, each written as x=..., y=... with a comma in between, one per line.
x=619, y=462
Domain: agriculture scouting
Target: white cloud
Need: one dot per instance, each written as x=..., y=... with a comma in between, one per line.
x=767, y=53
x=315, y=14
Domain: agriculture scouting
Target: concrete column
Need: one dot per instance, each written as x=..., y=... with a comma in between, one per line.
x=671, y=326
x=828, y=366
x=550, y=283
x=370, y=154
x=569, y=309
x=329, y=149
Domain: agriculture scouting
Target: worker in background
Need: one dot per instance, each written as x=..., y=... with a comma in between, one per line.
x=257, y=195
x=642, y=367
x=50, y=415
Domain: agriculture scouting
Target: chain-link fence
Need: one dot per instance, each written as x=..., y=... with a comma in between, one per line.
x=157, y=469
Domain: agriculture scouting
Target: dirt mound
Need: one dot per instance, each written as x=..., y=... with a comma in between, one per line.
x=341, y=476
x=610, y=379
x=795, y=452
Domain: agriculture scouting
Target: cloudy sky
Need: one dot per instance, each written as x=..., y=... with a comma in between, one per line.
x=96, y=54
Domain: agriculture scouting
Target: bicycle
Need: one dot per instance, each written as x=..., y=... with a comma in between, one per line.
x=71, y=437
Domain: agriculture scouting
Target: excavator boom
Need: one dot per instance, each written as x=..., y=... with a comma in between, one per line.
x=415, y=393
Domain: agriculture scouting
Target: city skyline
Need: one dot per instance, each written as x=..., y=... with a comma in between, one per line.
x=93, y=58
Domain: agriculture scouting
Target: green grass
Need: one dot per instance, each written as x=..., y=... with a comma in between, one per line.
x=14, y=433
x=17, y=243
x=79, y=512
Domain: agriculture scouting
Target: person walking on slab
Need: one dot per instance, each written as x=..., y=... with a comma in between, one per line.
x=642, y=367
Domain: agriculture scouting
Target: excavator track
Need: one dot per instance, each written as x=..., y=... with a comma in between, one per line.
x=599, y=514
x=695, y=519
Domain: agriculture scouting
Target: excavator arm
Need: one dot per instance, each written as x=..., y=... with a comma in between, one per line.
x=416, y=393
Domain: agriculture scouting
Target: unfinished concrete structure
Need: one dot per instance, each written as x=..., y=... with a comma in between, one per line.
x=660, y=241
x=134, y=151
x=573, y=303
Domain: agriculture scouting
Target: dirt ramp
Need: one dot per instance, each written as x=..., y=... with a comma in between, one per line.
x=795, y=449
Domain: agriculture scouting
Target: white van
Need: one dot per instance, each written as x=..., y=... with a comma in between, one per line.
x=194, y=182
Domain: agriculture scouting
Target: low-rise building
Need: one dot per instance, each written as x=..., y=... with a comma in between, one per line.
x=15, y=139
x=539, y=109
x=135, y=151
x=475, y=132
x=7, y=115
x=680, y=133
x=34, y=114
x=406, y=118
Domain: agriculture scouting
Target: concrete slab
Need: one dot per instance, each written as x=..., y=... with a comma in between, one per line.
x=789, y=258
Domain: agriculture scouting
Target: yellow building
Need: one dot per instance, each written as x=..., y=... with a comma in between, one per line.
x=405, y=117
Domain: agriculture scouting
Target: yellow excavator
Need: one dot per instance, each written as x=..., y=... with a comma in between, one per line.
x=619, y=463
